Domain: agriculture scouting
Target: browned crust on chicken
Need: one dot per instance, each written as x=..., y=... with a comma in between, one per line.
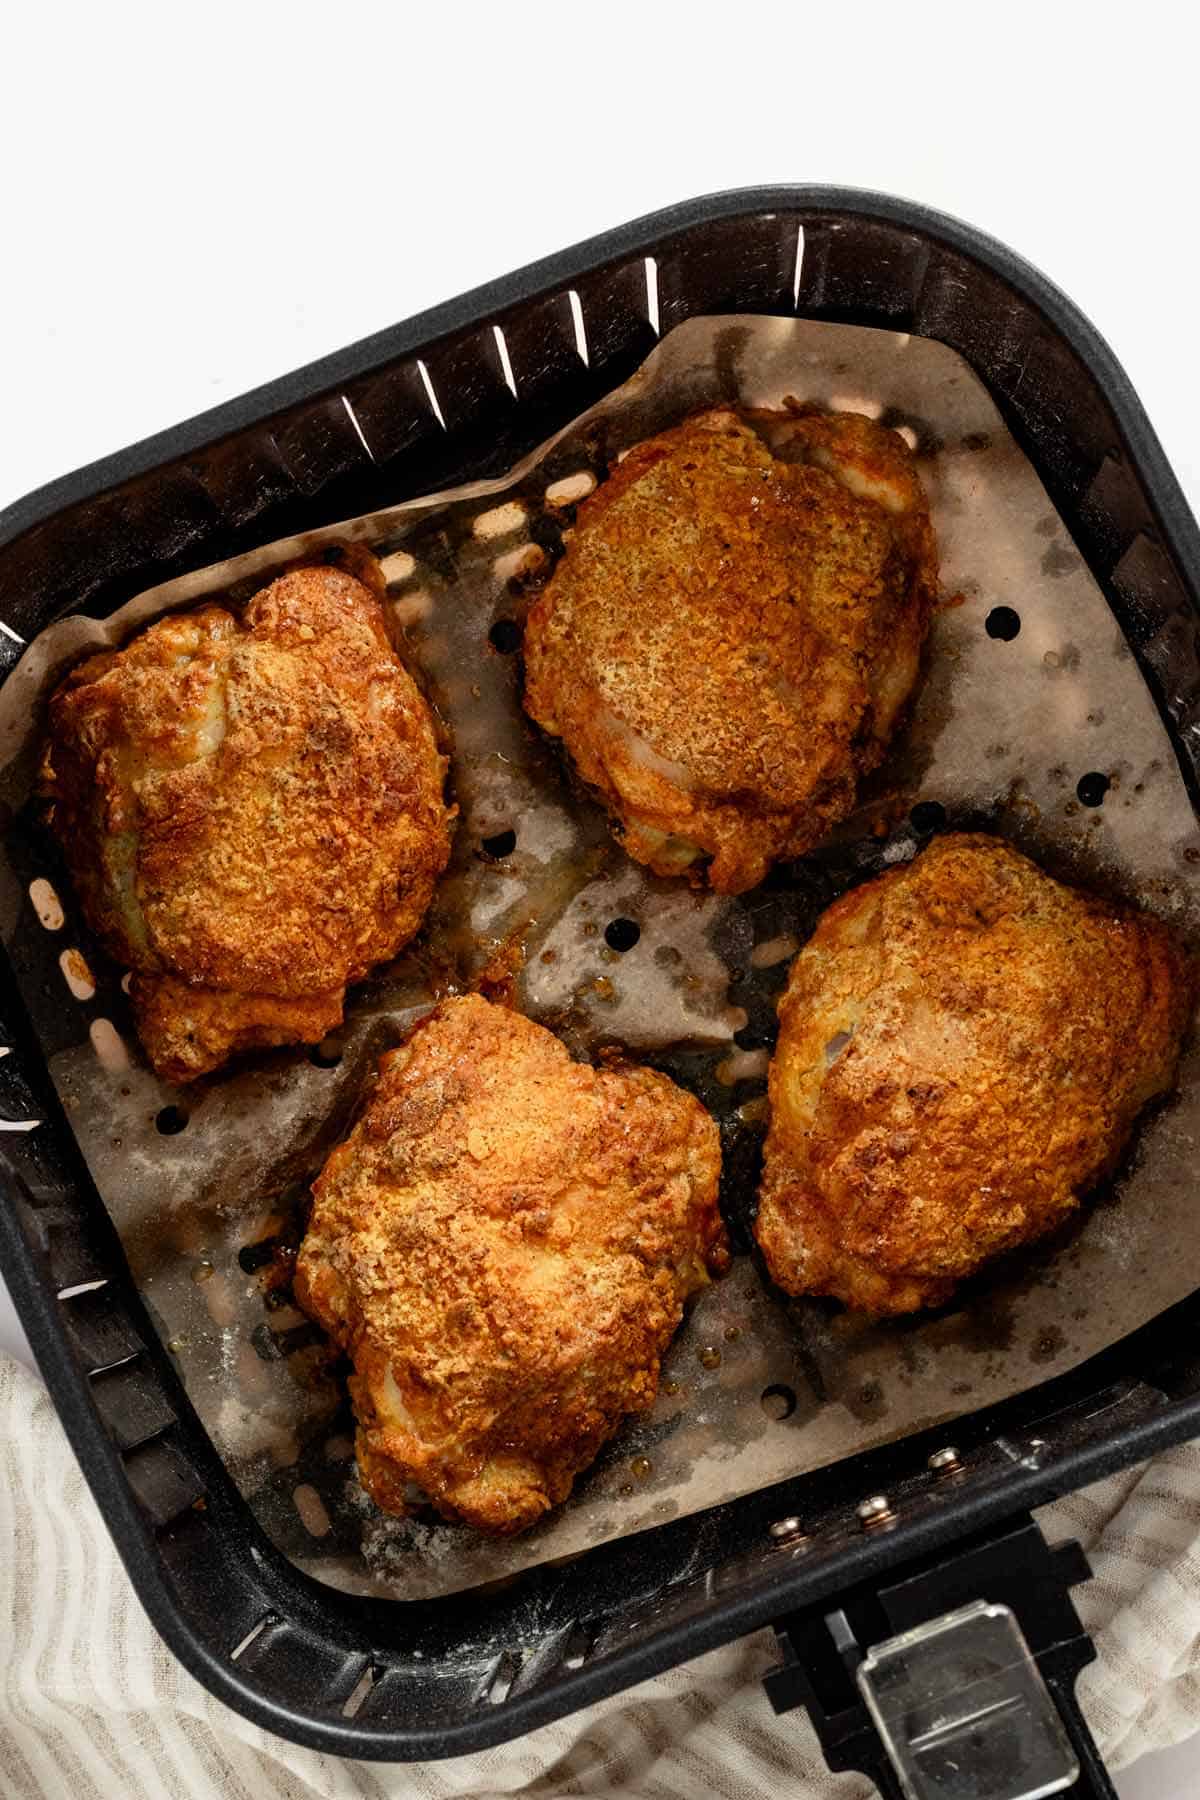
x=252, y=810
x=964, y=1046
x=504, y=1245
x=730, y=637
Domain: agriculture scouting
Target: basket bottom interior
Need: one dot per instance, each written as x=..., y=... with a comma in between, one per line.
x=1046, y=734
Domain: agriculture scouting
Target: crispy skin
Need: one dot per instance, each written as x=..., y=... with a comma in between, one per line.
x=252, y=812
x=504, y=1245
x=730, y=637
x=964, y=1047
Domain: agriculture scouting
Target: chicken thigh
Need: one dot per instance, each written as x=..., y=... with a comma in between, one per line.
x=964, y=1046
x=732, y=633
x=252, y=811
x=503, y=1246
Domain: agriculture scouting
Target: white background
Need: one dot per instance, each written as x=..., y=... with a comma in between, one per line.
x=197, y=198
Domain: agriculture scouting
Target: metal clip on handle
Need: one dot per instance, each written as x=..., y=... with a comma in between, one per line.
x=956, y=1680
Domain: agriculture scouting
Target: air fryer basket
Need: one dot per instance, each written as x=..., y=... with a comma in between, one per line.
x=414, y=409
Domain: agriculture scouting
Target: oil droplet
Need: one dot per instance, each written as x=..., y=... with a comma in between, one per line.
x=732, y=1333
x=175, y=1345
x=640, y=1467
x=670, y=1387
x=625, y=1489
x=203, y=1271
x=710, y=1357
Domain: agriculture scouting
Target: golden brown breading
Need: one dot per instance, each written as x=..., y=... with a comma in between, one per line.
x=252, y=810
x=729, y=638
x=504, y=1245
x=964, y=1047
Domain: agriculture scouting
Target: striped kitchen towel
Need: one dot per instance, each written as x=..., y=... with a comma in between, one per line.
x=94, y=1707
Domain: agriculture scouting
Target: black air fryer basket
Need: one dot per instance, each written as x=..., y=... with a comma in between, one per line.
x=355, y=432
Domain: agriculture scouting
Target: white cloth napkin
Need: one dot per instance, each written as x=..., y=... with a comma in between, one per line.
x=94, y=1707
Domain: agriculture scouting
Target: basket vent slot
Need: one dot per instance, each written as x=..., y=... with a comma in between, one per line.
x=798, y=270
x=255, y=1631
x=435, y=404
x=131, y=1403
x=578, y=1646
x=82, y=1287
x=581, y=343
x=358, y=1695
x=353, y=418
x=498, y=1682
x=163, y=1480
x=652, y=294
x=20, y=1125
x=505, y=360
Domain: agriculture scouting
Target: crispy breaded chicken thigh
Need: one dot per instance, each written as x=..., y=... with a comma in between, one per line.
x=252, y=810
x=964, y=1046
x=732, y=633
x=503, y=1246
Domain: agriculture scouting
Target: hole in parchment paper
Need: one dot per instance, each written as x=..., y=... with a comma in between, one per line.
x=1091, y=788
x=109, y=1045
x=569, y=489
x=1003, y=623
x=257, y=1256
x=502, y=843
x=46, y=904
x=505, y=636
x=761, y=1027
x=778, y=1401
x=77, y=975
x=267, y=1345
x=333, y=553
x=327, y=1054
x=928, y=815
x=311, y=1508
x=170, y=1121
x=622, y=934
x=500, y=521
